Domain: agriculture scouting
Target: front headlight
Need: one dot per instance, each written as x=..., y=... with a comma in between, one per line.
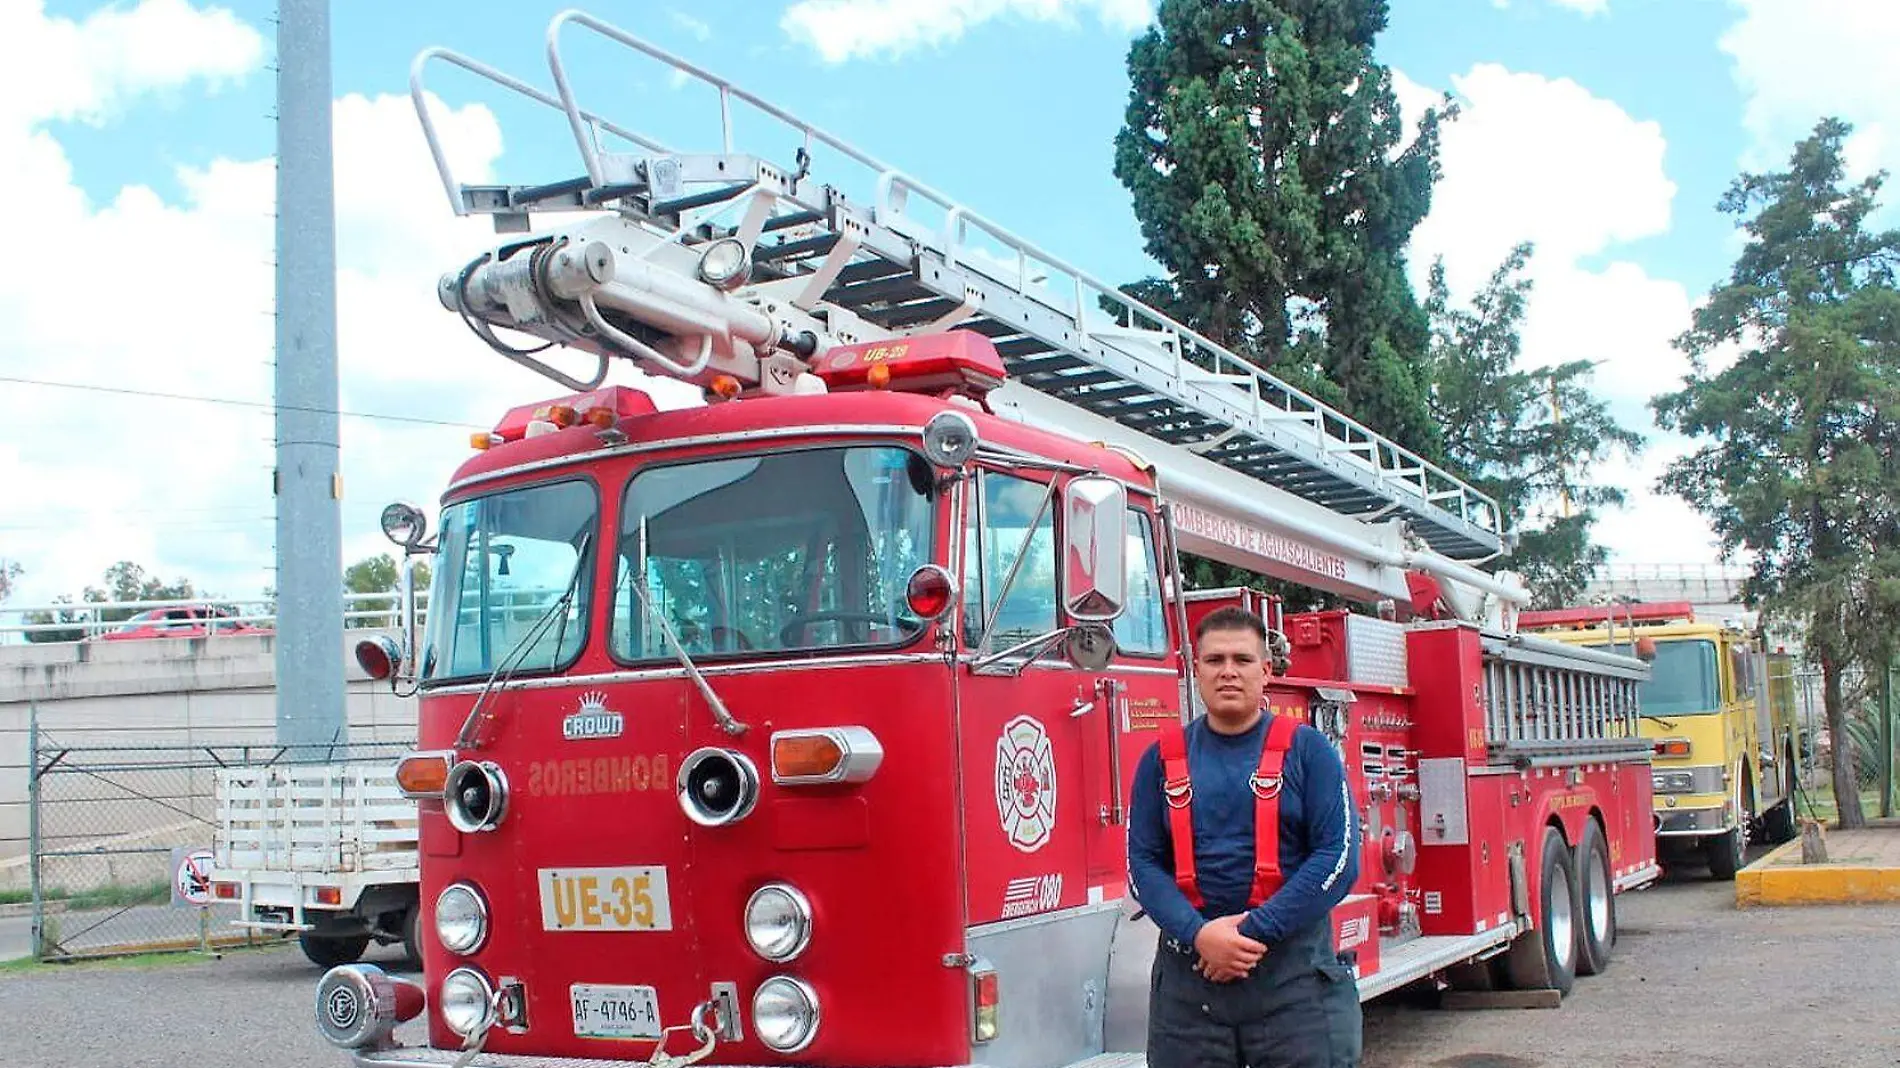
x=778, y=922
x=468, y=1002
x=461, y=919
x=785, y=1013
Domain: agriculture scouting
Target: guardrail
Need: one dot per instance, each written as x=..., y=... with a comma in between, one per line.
x=231, y=616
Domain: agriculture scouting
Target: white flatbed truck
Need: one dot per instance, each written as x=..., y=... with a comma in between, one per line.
x=328, y=851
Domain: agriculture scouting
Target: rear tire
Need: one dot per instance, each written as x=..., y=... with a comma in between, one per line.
x=1545, y=958
x=328, y=951
x=412, y=936
x=1596, y=902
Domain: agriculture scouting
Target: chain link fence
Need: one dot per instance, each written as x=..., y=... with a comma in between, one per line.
x=1870, y=702
x=122, y=838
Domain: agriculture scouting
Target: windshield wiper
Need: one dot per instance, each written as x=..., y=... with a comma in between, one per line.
x=558, y=608
x=1668, y=724
x=726, y=722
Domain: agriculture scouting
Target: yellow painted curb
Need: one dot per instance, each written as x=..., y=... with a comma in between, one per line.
x=1767, y=882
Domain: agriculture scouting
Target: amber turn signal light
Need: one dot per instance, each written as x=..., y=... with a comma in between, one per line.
x=1673, y=747
x=806, y=756
x=422, y=775
x=825, y=755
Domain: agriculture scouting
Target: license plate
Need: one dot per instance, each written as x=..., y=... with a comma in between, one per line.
x=614, y=1011
x=605, y=899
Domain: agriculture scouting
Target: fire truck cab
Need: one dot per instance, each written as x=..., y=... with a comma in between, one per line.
x=797, y=727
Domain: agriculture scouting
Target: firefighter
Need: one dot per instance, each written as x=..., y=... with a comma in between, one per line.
x=1241, y=840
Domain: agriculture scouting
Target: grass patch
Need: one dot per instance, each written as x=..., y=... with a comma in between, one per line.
x=29, y=966
x=115, y=895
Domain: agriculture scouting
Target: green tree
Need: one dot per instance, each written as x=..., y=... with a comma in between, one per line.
x=9, y=570
x=1521, y=435
x=380, y=574
x=124, y=581
x=1262, y=151
x=1802, y=468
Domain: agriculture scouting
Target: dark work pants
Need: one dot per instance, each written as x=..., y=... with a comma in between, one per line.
x=1289, y=1013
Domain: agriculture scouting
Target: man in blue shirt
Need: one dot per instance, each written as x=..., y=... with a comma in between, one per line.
x=1245, y=974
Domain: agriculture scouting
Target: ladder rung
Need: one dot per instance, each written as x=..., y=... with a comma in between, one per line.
x=1021, y=347
x=904, y=315
x=530, y=194
x=899, y=288
x=700, y=200
x=613, y=192
x=791, y=250
x=797, y=218
x=867, y=270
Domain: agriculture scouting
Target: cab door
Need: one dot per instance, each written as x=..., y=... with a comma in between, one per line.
x=1022, y=739
x=1138, y=690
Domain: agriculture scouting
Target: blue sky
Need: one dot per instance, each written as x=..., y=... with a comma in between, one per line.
x=1603, y=129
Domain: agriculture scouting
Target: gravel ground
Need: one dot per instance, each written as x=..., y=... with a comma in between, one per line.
x=1694, y=982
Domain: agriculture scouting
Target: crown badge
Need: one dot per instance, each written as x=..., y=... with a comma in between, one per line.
x=592, y=719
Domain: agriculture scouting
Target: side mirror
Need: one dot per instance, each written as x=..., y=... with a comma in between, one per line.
x=1095, y=543
x=1646, y=649
x=1089, y=646
x=405, y=524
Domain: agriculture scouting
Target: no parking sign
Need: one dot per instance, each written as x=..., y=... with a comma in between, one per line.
x=191, y=877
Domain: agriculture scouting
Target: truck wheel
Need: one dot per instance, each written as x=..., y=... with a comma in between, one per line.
x=1546, y=958
x=1596, y=902
x=1727, y=853
x=411, y=935
x=332, y=950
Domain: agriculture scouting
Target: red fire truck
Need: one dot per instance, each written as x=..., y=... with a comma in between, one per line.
x=797, y=726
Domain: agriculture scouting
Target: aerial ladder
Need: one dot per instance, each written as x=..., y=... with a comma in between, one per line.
x=737, y=270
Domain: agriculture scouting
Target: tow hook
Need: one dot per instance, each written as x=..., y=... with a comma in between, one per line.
x=704, y=1025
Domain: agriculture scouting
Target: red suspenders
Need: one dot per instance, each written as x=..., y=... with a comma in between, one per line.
x=1178, y=790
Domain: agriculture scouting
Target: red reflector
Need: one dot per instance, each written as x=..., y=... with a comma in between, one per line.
x=410, y=999
x=986, y=990
x=329, y=895
x=929, y=591
x=226, y=891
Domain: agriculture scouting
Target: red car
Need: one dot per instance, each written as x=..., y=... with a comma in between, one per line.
x=181, y=621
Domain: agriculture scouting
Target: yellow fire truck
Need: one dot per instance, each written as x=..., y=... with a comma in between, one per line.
x=1720, y=710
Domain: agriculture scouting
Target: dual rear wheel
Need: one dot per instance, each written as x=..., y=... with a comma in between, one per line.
x=1575, y=913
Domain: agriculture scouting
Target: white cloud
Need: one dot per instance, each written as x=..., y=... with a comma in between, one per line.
x=697, y=27
x=158, y=296
x=1583, y=7
x=58, y=69
x=1797, y=61
x=1544, y=160
x=863, y=29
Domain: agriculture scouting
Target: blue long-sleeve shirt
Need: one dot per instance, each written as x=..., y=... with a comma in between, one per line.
x=1318, y=841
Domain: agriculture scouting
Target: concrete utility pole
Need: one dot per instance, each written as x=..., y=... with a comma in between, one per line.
x=309, y=487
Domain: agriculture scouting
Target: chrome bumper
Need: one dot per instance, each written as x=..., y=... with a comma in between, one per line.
x=1692, y=822
x=423, y=1057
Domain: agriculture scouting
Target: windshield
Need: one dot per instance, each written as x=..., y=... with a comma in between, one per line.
x=787, y=551
x=503, y=561
x=1683, y=679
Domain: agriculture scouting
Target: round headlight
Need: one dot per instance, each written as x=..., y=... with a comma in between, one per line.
x=778, y=922
x=785, y=1013
x=475, y=796
x=461, y=919
x=468, y=1002
x=717, y=786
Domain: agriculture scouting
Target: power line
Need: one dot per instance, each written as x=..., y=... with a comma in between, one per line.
x=384, y=417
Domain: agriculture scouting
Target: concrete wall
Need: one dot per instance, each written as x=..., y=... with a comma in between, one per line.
x=137, y=695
